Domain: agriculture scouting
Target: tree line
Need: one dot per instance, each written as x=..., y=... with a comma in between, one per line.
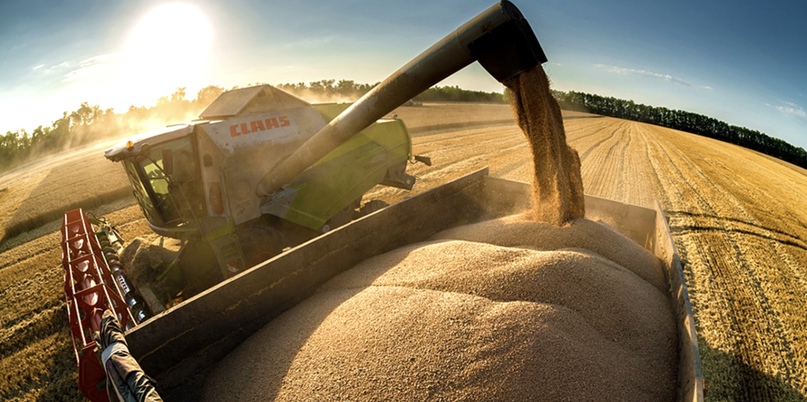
x=684, y=121
x=350, y=90
x=90, y=123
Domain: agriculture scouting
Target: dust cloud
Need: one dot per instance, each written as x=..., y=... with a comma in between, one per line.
x=318, y=97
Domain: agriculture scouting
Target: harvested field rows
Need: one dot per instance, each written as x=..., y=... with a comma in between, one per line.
x=738, y=218
x=739, y=223
x=40, y=192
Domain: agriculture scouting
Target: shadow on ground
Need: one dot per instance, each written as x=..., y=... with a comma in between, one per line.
x=54, y=196
x=728, y=378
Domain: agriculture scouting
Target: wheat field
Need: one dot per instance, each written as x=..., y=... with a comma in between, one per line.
x=737, y=217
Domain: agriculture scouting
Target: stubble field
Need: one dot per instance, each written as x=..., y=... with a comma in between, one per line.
x=738, y=219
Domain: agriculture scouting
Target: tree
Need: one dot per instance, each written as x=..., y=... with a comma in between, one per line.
x=85, y=115
x=207, y=95
x=90, y=122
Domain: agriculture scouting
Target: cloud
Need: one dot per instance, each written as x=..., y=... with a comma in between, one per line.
x=61, y=66
x=313, y=42
x=40, y=70
x=89, y=66
x=791, y=109
x=645, y=73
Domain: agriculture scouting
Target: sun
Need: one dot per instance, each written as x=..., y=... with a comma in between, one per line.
x=168, y=48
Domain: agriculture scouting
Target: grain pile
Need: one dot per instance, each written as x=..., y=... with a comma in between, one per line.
x=473, y=315
x=557, y=185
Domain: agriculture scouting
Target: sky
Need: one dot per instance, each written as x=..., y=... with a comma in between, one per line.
x=743, y=62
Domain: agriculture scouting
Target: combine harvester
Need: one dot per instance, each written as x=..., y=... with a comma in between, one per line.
x=266, y=178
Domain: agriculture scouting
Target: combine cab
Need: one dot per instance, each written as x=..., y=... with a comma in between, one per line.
x=196, y=182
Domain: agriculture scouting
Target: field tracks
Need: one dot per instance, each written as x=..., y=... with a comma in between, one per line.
x=730, y=256
x=738, y=221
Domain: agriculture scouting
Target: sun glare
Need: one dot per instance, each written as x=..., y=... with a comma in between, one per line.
x=167, y=48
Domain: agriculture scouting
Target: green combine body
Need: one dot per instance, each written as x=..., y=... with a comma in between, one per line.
x=344, y=175
x=197, y=182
